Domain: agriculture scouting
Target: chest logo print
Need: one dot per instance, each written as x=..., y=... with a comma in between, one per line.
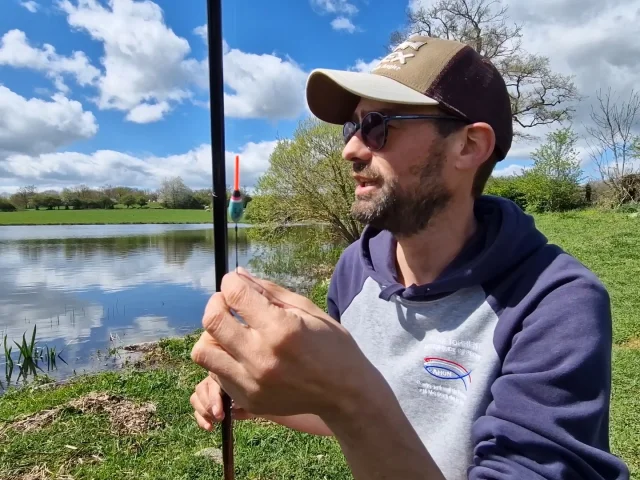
x=447, y=370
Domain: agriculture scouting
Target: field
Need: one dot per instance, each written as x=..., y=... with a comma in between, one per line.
x=99, y=217
x=76, y=441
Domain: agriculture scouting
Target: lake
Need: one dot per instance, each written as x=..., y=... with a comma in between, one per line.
x=92, y=288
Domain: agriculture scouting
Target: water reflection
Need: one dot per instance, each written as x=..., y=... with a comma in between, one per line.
x=88, y=288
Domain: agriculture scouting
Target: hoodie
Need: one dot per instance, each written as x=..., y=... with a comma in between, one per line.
x=503, y=363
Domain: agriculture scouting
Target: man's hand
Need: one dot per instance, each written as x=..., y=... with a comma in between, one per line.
x=290, y=358
x=207, y=405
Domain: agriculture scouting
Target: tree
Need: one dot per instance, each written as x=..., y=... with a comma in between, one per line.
x=308, y=180
x=553, y=183
x=151, y=195
x=173, y=193
x=6, y=205
x=204, y=197
x=558, y=158
x=69, y=198
x=538, y=96
x=128, y=200
x=23, y=197
x=614, y=146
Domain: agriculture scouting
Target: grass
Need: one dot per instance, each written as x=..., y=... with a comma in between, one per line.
x=29, y=358
x=82, y=445
x=101, y=217
x=608, y=243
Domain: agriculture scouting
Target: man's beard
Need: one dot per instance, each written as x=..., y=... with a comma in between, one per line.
x=404, y=211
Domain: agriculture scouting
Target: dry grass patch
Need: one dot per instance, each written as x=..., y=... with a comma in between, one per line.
x=632, y=344
x=125, y=416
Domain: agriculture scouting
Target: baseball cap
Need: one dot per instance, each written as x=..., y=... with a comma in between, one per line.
x=420, y=71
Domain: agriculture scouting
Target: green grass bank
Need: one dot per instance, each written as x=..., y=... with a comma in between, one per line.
x=88, y=437
x=104, y=217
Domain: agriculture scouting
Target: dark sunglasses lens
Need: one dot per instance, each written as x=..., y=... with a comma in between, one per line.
x=373, y=130
x=348, y=130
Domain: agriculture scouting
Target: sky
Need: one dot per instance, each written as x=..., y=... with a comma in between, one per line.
x=115, y=92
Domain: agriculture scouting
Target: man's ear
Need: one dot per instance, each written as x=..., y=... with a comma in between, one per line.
x=477, y=143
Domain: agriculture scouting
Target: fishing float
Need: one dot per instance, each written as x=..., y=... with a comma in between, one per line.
x=236, y=203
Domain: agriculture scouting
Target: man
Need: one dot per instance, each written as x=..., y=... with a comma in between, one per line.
x=460, y=343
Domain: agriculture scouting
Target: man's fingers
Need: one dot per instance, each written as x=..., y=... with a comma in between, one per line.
x=279, y=295
x=263, y=287
x=208, y=400
x=246, y=299
x=212, y=357
x=204, y=424
x=200, y=408
x=222, y=326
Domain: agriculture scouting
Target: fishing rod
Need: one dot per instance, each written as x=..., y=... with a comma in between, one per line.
x=216, y=92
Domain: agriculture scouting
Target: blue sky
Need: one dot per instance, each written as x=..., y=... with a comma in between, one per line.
x=115, y=92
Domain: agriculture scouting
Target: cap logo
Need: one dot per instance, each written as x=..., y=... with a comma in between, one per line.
x=399, y=56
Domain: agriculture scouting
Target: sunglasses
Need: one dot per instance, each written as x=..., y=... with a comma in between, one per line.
x=374, y=127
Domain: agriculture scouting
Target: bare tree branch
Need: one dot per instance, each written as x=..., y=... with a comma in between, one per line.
x=614, y=142
x=538, y=95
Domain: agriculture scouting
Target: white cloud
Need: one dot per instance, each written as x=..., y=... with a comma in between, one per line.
x=203, y=32
x=264, y=86
x=30, y=5
x=364, y=66
x=146, y=112
x=341, y=8
x=15, y=51
x=148, y=69
x=595, y=41
x=343, y=23
x=57, y=170
x=509, y=170
x=334, y=6
x=33, y=126
x=144, y=61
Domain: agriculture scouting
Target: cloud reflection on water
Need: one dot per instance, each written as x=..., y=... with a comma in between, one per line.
x=80, y=292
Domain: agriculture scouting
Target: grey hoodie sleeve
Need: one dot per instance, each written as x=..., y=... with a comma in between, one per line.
x=549, y=415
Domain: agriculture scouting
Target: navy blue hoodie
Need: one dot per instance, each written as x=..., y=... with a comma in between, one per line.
x=503, y=364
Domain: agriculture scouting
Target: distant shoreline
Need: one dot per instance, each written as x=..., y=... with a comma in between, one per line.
x=2, y=224
x=117, y=216
x=245, y=224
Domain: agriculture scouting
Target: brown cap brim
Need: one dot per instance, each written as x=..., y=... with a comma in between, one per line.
x=333, y=95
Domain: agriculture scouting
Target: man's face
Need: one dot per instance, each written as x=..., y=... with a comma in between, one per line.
x=400, y=187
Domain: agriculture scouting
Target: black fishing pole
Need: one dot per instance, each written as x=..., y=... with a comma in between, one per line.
x=216, y=92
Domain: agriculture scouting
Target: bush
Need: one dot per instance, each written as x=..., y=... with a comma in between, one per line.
x=507, y=187
x=629, y=208
x=6, y=205
x=547, y=194
x=631, y=185
x=552, y=184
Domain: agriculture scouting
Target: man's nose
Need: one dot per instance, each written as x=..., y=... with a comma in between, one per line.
x=356, y=151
